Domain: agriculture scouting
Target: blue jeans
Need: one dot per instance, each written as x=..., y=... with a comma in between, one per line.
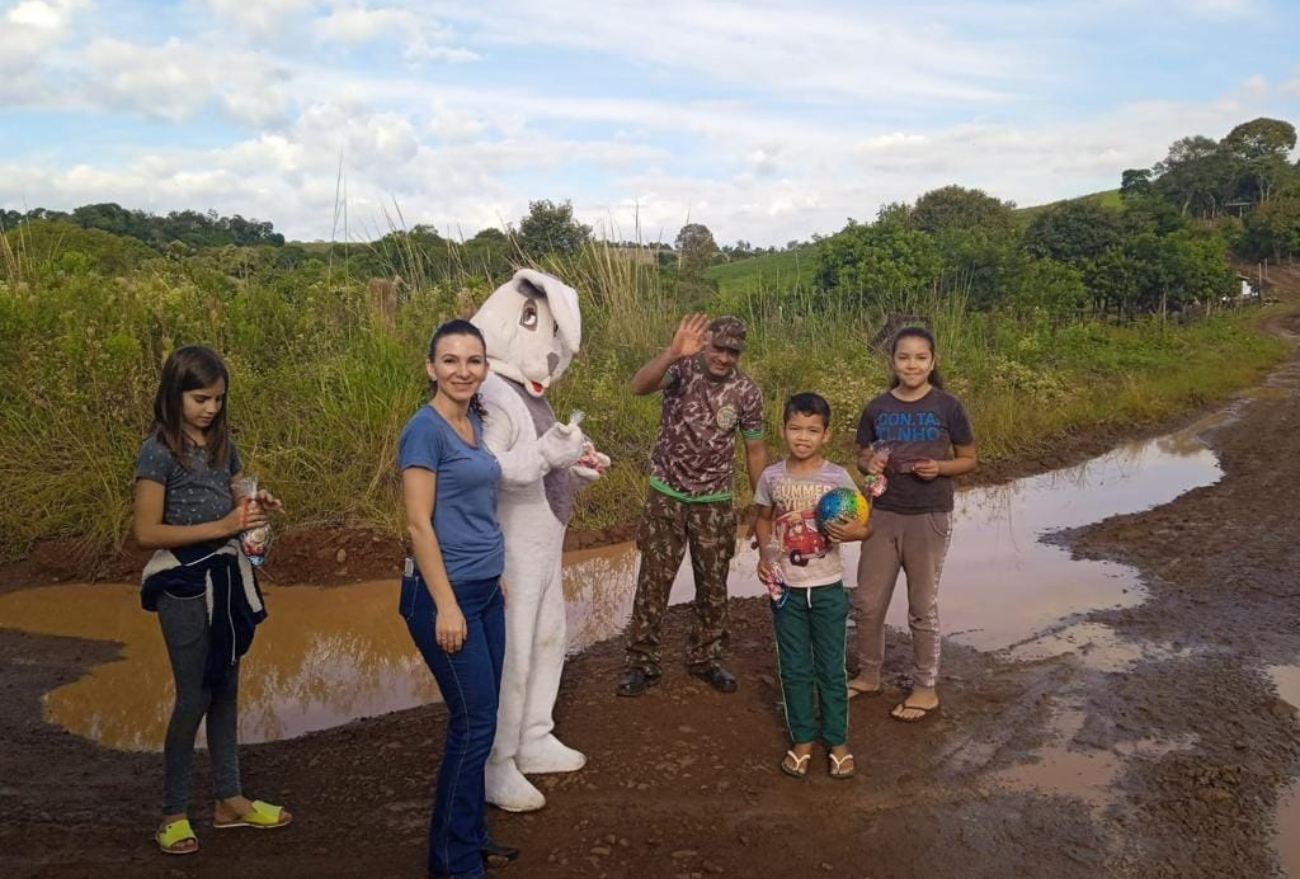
x=470, y=681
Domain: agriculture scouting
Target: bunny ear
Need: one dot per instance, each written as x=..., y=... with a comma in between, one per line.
x=562, y=299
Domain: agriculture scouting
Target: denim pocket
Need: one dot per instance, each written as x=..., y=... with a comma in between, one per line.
x=411, y=583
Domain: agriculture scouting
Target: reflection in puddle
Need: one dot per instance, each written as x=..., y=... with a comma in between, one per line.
x=323, y=657
x=1063, y=769
x=599, y=585
x=1095, y=646
x=1001, y=584
x=1056, y=769
x=1086, y=775
x=326, y=656
x=1287, y=680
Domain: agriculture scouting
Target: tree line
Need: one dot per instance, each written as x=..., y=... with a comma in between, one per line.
x=1164, y=246
x=194, y=229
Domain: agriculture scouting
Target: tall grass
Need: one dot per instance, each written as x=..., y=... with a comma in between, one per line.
x=320, y=390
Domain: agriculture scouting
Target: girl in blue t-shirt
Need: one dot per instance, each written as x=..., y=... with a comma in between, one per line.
x=188, y=507
x=452, y=598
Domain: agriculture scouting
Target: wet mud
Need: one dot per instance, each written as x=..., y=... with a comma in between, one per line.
x=1152, y=736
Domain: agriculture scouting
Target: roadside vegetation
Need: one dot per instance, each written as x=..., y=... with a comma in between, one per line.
x=1072, y=316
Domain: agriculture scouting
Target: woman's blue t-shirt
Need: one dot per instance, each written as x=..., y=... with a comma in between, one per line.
x=465, y=499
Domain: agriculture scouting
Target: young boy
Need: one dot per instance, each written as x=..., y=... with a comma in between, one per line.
x=810, y=619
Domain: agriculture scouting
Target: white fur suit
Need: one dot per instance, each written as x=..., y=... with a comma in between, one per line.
x=533, y=328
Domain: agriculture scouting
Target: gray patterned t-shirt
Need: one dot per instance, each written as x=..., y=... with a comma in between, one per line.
x=195, y=495
x=695, y=453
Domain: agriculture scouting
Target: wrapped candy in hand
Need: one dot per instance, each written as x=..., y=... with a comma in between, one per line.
x=777, y=589
x=255, y=542
x=591, y=459
x=874, y=484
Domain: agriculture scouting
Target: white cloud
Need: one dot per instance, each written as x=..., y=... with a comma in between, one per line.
x=419, y=50
x=36, y=14
x=894, y=54
x=29, y=30
x=424, y=39
x=1221, y=8
x=368, y=139
x=452, y=124
x=175, y=81
x=29, y=33
x=360, y=25
x=1256, y=87
x=259, y=17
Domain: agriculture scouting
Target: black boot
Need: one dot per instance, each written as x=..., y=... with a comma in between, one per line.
x=717, y=677
x=636, y=681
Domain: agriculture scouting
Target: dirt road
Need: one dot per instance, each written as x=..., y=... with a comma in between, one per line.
x=1155, y=746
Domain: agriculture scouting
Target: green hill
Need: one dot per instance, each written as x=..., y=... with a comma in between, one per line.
x=793, y=269
x=1108, y=198
x=788, y=269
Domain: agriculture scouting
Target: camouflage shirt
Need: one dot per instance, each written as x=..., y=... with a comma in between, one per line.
x=695, y=454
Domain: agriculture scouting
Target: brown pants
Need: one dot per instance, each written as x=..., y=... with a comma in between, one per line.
x=917, y=545
x=667, y=527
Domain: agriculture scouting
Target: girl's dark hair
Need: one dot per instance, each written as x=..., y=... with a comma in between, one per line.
x=807, y=403
x=458, y=327
x=916, y=333
x=188, y=369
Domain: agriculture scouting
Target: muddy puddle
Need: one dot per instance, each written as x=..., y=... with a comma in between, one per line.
x=1085, y=774
x=323, y=657
x=1287, y=680
x=1002, y=584
x=326, y=656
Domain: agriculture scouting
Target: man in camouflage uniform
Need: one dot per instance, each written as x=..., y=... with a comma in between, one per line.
x=706, y=401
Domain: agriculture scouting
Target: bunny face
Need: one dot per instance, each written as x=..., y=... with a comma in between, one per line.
x=533, y=328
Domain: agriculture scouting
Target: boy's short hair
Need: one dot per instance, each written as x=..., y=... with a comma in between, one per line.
x=807, y=403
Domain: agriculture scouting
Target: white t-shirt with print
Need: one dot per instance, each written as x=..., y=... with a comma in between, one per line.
x=807, y=557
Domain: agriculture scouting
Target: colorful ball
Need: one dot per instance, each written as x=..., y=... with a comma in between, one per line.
x=844, y=506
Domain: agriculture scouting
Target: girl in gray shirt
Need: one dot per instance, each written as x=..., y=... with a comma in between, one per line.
x=186, y=508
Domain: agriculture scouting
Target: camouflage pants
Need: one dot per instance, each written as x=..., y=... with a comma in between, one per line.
x=667, y=527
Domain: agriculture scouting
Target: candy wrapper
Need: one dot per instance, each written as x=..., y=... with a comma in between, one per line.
x=777, y=588
x=874, y=484
x=589, y=459
x=255, y=542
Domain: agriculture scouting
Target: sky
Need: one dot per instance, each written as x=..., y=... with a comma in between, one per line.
x=765, y=120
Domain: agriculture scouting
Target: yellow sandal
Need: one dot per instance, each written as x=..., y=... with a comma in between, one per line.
x=263, y=816
x=173, y=835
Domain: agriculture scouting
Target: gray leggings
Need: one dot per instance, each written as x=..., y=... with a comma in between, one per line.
x=184, y=624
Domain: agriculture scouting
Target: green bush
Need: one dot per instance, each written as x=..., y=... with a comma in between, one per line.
x=320, y=392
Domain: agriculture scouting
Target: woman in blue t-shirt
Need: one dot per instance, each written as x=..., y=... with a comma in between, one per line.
x=453, y=599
